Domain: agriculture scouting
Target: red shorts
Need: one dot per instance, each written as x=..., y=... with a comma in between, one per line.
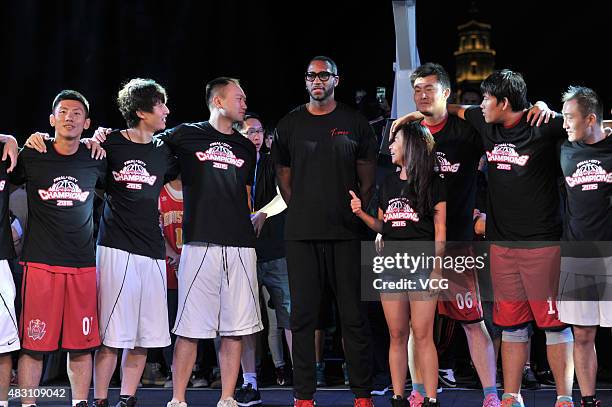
x=525, y=285
x=461, y=301
x=60, y=308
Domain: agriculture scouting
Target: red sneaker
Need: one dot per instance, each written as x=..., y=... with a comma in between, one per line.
x=303, y=403
x=364, y=402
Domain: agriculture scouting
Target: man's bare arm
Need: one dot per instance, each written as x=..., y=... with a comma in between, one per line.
x=283, y=178
x=457, y=110
x=366, y=172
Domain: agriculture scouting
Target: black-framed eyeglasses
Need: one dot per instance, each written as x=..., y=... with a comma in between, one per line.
x=323, y=76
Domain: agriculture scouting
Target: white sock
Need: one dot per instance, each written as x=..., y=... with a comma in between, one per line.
x=433, y=400
x=4, y=403
x=75, y=402
x=28, y=405
x=250, y=378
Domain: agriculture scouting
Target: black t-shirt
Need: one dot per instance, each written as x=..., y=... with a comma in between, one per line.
x=136, y=173
x=523, y=199
x=401, y=221
x=270, y=244
x=322, y=152
x=61, y=191
x=458, y=150
x=7, y=250
x=215, y=169
x=587, y=170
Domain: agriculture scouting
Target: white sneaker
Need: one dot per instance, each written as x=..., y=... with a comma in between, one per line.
x=176, y=403
x=230, y=402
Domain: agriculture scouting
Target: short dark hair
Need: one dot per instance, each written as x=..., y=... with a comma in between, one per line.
x=328, y=60
x=139, y=94
x=216, y=85
x=68, y=94
x=588, y=101
x=507, y=84
x=431, y=68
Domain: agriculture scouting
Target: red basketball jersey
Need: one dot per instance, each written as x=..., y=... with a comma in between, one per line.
x=171, y=210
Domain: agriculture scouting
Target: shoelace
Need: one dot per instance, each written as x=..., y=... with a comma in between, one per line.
x=415, y=400
x=491, y=402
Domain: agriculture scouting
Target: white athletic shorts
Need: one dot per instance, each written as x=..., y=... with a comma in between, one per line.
x=9, y=332
x=217, y=292
x=132, y=305
x=585, y=291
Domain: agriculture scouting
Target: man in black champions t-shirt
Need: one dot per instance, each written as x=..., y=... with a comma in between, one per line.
x=217, y=277
x=523, y=207
x=585, y=299
x=131, y=252
x=322, y=150
x=59, y=288
x=458, y=149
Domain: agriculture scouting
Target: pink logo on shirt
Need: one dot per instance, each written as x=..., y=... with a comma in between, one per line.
x=398, y=212
x=588, y=174
x=65, y=190
x=221, y=155
x=134, y=175
x=504, y=155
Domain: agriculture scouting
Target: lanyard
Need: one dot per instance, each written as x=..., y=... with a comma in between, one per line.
x=253, y=188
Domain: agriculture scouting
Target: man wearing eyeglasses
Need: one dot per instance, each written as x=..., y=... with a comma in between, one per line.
x=322, y=150
x=269, y=221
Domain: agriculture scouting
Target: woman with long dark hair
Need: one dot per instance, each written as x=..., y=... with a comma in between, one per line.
x=412, y=207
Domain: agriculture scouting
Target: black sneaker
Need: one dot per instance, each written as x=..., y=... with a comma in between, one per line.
x=545, y=377
x=529, y=380
x=447, y=377
x=100, y=403
x=82, y=404
x=590, y=403
x=428, y=403
x=247, y=396
x=283, y=376
x=128, y=402
x=399, y=401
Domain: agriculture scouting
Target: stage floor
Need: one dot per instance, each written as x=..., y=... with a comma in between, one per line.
x=341, y=397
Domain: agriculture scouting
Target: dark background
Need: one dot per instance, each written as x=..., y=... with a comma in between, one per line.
x=95, y=45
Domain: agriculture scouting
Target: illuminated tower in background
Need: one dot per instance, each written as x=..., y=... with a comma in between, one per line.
x=475, y=59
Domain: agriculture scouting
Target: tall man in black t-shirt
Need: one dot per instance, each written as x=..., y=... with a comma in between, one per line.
x=322, y=150
x=59, y=287
x=585, y=300
x=217, y=277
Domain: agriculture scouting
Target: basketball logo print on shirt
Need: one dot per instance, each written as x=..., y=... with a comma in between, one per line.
x=398, y=212
x=505, y=155
x=443, y=165
x=65, y=190
x=134, y=175
x=221, y=156
x=588, y=174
